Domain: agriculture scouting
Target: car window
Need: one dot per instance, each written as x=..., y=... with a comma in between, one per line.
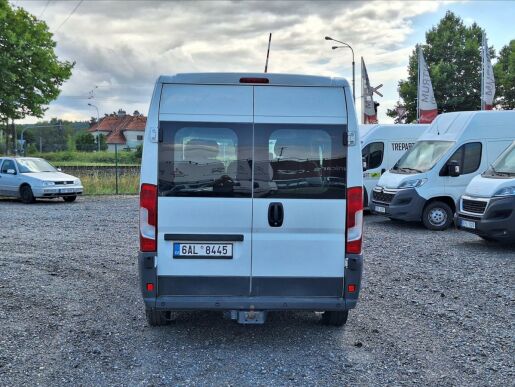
x=205, y=159
x=8, y=164
x=468, y=157
x=373, y=154
x=299, y=161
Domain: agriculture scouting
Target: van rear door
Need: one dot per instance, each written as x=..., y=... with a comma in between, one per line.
x=205, y=190
x=299, y=205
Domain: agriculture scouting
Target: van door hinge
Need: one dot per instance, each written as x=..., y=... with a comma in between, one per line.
x=154, y=134
x=349, y=139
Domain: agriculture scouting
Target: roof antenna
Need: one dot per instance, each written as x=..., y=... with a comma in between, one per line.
x=268, y=52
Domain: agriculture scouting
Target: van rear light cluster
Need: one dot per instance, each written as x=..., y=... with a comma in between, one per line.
x=148, y=217
x=354, y=220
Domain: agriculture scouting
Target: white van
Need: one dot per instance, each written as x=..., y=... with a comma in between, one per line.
x=427, y=182
x=488, y=206
x=381, y=147
x=251, y=197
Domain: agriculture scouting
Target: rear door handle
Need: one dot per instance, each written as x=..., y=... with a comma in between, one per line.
x=275, y=214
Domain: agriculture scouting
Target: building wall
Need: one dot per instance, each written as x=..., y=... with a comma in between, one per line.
x=134, y=138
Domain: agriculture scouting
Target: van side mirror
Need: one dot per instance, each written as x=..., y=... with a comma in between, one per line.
x=364, y=162
x=11, y=172
x=453, y=168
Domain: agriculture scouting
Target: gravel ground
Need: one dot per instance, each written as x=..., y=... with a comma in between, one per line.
x=436, y=308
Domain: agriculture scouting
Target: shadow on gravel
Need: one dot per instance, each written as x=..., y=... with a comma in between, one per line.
x=38, y=202
x=492, y=247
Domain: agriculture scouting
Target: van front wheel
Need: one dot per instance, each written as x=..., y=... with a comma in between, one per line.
x=156, y=318
x=437, y=216
x=335, y=318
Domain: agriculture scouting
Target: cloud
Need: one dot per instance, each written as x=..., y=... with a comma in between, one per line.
x=123, y=46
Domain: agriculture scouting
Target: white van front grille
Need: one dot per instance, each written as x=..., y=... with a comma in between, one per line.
x=476, y=206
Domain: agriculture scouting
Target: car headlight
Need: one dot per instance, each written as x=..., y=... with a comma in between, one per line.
x=47, y=183
x=506, y=191
x=77, y=182
x=412, y=183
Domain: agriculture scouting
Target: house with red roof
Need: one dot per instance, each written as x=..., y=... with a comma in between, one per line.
x=121, y=129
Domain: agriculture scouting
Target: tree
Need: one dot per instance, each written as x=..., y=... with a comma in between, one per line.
x=504, y=72
x=85, y=142
x=452, y=52
x=103, y=144
x=30, y=72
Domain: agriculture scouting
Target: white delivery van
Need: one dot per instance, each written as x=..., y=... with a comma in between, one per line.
x=251, y=197
x=381, y=147
x=488, y=206
x=427, y=182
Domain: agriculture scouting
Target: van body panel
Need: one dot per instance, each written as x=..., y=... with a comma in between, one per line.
x=221, y=100
x=310, y=243
x=299, y=102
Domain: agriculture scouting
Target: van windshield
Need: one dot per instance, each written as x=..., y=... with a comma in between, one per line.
x=504, y=165
x=422, y=156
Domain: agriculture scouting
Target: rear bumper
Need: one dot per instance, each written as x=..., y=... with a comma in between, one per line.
x=498, y=221
x=176, y=296
x=406, y=205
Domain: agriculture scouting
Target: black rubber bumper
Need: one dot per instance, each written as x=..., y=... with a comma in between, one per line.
x=406, y=205
x=169, y=292
x=497, y=223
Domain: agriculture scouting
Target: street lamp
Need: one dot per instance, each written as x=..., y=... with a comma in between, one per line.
x=353, y=64
x=98, y=121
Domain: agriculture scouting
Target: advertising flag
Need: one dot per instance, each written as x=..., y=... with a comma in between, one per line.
x=487, y=78
x=367, y=106
x=427, y=109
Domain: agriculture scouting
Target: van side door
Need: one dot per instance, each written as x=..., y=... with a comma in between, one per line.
x=374, y=157
x=470, y=158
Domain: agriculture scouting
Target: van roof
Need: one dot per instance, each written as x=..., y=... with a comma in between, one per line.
x=386, y=131
x=234, y=79
x=471, y=125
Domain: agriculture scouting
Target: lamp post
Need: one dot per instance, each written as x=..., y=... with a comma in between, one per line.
x=353, y=64
x=98, y=121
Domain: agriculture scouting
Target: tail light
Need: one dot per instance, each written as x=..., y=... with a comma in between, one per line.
x=148, y=217
x=354, y=220
x=254, y=80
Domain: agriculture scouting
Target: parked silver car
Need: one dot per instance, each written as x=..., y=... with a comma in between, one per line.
x=29, y=178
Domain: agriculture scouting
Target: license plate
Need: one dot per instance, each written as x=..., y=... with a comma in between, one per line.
x=380, y=209
x=66, y=190
x=202, y=250
x=467, y=224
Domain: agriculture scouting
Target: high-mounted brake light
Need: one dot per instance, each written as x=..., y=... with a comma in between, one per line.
x=254, y=80
x=354, y=220
x=148, y=217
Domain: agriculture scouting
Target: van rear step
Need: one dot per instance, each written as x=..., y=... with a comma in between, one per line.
x=247, y=316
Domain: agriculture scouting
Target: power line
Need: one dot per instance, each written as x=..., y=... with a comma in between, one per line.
x=44, y=9
x=69, y=16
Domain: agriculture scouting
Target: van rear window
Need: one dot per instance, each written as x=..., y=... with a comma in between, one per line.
x=199, y=159
x=300, y=161
x=205, y=159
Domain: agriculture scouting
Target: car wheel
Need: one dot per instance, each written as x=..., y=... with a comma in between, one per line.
x=437, y=216
x=70, y=199
x=335, y=318
x=156, y=318
x=26, y=194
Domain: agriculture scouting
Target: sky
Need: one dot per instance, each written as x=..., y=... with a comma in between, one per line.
x=121, y=47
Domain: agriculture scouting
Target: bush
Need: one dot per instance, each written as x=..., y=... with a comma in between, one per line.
x=85, y=142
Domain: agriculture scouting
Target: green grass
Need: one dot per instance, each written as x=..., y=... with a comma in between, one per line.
x=101, y=183
x=75, y=158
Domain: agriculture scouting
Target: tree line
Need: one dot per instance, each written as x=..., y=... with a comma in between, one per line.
x=453, y=53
